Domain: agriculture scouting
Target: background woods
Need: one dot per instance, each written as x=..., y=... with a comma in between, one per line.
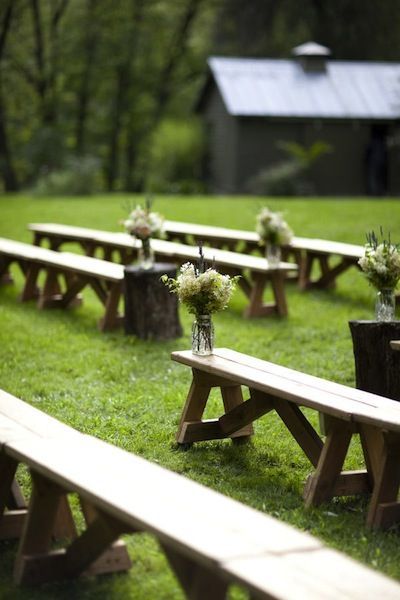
x=92, y=80
x=99, y=94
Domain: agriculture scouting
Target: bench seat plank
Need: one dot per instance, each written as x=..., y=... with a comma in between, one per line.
x=225, y=234
x=306, y=390
x=24, y=416
x=176, y=519
x=254, y=271
x=165, y=248
x=66, y=260
x=335, y=576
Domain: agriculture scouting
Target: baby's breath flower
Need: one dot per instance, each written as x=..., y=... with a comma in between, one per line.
x=272, y=228
x=203, y=293
x=381, y=263
x=144, y=224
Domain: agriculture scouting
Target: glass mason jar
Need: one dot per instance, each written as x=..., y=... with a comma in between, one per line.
x=202, y=335
x=385, y=305
x=146, y=254
x=273, y=254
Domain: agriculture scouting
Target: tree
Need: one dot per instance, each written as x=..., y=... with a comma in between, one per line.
x=267, y=28
x=6, y=163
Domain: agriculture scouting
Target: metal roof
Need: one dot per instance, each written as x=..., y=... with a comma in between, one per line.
x=282, y=88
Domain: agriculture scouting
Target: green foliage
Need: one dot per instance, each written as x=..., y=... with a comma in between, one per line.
x=306, y=157
x=289, y=177
x=353, y=30
x=128, y=391
x=79, y=177
x=281, y=179
x=176, y=157
x=97, y=78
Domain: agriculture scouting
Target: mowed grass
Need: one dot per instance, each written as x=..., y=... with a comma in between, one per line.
x=130, y=393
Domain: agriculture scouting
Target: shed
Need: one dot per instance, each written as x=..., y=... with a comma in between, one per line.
x=250, y=105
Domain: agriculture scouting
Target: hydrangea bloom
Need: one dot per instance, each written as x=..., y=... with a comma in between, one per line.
x=381, y=263
x=144, y=224
x=272, y=228
x=202, y=293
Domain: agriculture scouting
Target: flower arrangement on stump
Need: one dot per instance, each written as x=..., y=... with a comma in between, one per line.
x=204, y=291
x=381, y=265
x=144, y=224
x=274, y=232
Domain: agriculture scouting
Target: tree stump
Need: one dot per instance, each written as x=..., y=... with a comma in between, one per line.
x=377, y=365
x=151, y=311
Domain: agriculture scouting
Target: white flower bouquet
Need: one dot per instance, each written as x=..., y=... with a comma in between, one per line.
x=272, y=228
x=381, y=263
x=144, y=224
x=203, y=293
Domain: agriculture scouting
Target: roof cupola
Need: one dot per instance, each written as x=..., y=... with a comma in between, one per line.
x=312, y=56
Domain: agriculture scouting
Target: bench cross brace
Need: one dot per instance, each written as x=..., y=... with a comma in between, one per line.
x=94, y=551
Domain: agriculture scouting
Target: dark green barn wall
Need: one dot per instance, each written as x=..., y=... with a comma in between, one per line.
x=222, y=144
x=239, y=147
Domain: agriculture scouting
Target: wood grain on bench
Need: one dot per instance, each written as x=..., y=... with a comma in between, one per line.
x=347, y=411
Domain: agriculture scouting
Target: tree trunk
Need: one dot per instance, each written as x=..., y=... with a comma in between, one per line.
x=6, y=165
x=83, y=94
x=162, y=95
x=122, y=94
x=377, y=366
x=151, y=311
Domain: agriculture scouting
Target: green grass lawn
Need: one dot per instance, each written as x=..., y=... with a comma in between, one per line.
x=129, y=392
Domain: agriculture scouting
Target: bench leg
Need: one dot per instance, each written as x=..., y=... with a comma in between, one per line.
x=94, y=551
x=192, y=428
x=51, y=293
x=111, y=320
x=329, y=274
x=232, y=396
x=255, y=293
x=278, y=288
x=320, y=486
x=384, y=508
x=31, y=290
x=5, y=275
x=305, y=269
x=11, y=521
x=193, y=410
x=197, y=581
x=300, y=428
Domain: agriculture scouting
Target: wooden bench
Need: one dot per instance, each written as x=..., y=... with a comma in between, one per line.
x=209, y=540
x=254, y=271
x=306, y=251
x=347, y=411
x=66, y=276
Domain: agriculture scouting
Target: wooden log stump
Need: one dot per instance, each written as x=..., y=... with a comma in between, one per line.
x=151, y=311
x=377, y=365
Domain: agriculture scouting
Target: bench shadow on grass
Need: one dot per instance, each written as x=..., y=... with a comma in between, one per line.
x=264, y=480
